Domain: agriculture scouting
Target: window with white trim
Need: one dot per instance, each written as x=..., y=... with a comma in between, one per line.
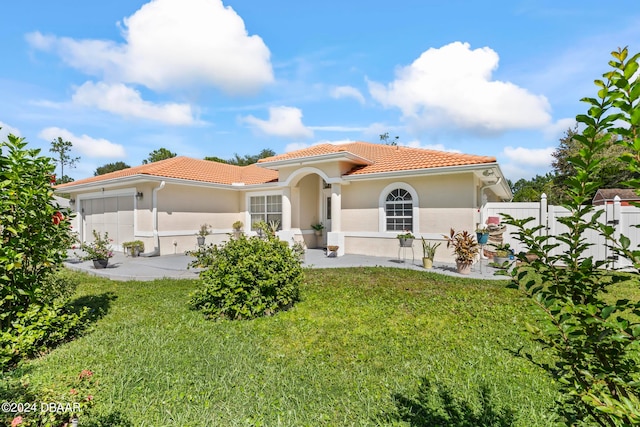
x=265, y=208
x=398, y=209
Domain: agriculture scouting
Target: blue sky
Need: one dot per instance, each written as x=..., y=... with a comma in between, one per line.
x=209, y=78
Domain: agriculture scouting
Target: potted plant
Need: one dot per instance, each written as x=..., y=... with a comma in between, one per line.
x=133, y=248
x=429, y=250
x=465, y=248
x=203, y=233
x=332, y=251
x=502, y=254
x=237, y=228
x=318, y=228
x=99, y=251
x=482, y=234
x=406, y=239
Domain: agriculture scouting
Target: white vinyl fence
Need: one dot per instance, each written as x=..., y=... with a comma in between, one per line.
x=623, y=218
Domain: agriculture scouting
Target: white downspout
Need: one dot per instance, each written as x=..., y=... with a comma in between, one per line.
x=156, y=236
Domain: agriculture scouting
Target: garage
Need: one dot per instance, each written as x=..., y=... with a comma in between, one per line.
x=113, y=215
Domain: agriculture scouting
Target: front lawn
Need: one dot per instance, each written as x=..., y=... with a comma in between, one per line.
x=359, y=349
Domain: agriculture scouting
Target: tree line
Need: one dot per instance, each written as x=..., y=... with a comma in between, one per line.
x=610, y=170
x=63, y=157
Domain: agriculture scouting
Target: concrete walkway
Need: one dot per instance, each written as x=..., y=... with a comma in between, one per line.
x=125, y=268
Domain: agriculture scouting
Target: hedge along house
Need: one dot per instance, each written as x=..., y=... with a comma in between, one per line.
x=364, y=194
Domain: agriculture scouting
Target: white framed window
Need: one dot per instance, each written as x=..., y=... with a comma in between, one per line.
x=398, y=208
x=265, y=208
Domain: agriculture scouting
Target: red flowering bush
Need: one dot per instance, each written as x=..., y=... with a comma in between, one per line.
x=34, y=237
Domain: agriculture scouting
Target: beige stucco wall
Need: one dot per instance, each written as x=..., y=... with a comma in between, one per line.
x=183, y=209
x=444, y=202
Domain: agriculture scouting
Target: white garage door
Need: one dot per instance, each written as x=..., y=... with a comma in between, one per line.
x=113, y=215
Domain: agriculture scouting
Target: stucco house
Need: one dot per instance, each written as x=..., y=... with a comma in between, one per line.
x=364, y=194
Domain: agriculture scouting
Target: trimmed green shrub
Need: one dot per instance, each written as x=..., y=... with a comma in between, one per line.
x=247, y=277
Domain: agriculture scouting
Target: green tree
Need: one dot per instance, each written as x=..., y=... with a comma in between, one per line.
x=245, y=160
x=611, y=171
x=110, y=167
x=530, y=190
x=157, y=155
x=62, y=150
x=215, y=159
x=593, y=339
x=384, y=138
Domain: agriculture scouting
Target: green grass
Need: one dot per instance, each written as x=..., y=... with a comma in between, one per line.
x=354, y=351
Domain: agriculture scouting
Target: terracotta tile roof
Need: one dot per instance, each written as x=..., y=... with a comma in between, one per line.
x=387, y=158
x=191, y=169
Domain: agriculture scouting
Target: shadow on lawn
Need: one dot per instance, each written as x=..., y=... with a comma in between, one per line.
x=435, y=406
x=98, y=305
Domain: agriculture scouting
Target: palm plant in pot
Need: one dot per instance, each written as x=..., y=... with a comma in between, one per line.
x=237, y=229
x=429, y=251
x=318, y=228
x=203, y=233
x=465, y=248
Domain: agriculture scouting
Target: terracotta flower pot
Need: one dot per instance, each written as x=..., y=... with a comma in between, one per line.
x=463, y=267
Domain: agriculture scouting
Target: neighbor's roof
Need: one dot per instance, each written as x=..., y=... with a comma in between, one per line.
x=190, y=169
x=611, y=193
x=385, y=158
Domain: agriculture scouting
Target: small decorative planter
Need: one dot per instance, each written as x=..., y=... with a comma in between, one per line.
x=100, y=263
x=464, y=267
x=200, y=240
x=482, y=238
x=405, y=243
x=332, y=251
x=427, y=262
x=318, y=233
x=500, y=259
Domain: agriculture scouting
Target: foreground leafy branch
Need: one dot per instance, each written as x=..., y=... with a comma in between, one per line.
x=594, y=342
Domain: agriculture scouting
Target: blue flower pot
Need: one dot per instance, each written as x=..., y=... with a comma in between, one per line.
x=483, y=238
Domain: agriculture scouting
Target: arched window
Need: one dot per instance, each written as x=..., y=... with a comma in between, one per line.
x=398, y=209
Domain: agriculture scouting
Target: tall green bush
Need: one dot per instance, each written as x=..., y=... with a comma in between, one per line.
x=34, y=238
x=247, y=277
x=594, y=341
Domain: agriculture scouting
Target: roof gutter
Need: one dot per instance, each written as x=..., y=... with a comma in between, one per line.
x=156, y=236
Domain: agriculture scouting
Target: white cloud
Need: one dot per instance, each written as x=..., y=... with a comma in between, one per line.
x=300, y=145
x=283, y=121
x=6, y=130
x=452, y=87
x=173, y=43
x=347, y=92
x=534, y=157
x=122, y=100
x=436, y=147
x=339, y=128
x=556, y=130
x=84, y=144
